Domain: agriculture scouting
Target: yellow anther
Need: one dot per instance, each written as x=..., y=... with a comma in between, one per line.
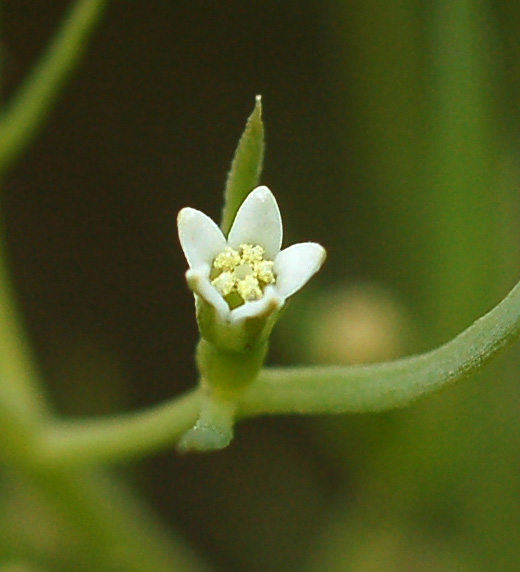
x=263, y=270
x=228, y=259
x=243, y=271
x=251, y=253
x=249, y=289
x=225, y=283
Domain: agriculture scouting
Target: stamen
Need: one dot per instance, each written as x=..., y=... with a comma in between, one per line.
x=228, y=259
x=251, y=253
x=249, y=289
x=224, y=283
x=242, y=274
x=263, y=270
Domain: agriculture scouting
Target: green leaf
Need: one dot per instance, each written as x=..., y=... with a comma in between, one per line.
x=246, y=167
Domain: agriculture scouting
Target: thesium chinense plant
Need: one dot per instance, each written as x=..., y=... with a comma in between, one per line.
x=242, y=277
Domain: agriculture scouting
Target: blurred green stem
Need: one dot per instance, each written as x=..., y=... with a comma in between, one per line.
x=20, y=390
x=122, y=436
x=303, y=390
x=114, y=532
x=379, y=387
x=26, y=113
x=461, y=183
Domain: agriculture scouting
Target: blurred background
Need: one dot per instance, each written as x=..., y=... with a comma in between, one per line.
x=393, y=133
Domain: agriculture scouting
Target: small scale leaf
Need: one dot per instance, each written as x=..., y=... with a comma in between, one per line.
x=246, y=167
x=204, y=438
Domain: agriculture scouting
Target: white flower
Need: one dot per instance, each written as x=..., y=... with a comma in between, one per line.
x=247, y=275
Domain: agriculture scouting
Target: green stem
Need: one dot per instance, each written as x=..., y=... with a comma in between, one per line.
x=121, y=436
x=20, y=389
x=388, y=385
x=303, y=390
x=461, y=163
x=115, y=532
x=23, y=409
x=26, y=114
x=214, y=427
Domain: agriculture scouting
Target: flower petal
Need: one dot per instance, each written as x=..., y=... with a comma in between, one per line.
x=269, y=302
x=295, y=265
x=201, y=239
x=198, y=282
x=258, y=221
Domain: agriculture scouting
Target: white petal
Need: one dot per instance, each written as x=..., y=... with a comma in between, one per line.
x=258, y=221
x=269, y=302
x=198, y=281
x=201, y=239
x=295, y=265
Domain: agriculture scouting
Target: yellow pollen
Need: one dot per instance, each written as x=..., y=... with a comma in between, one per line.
x=249, y=288
x=242, y=274
x=228, y=259
x=263, y=270
x=251, y=253
x=224, y=283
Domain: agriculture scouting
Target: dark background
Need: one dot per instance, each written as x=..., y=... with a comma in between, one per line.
x=392, y=137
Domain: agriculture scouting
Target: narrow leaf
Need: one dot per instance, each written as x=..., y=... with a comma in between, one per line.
x=246, y=167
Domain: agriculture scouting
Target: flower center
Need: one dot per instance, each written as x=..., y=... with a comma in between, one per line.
x=241, y=275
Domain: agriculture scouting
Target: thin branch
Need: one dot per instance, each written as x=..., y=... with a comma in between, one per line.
x=118, y=437
x=26, y=113
x=358, y=389
x=303, y=390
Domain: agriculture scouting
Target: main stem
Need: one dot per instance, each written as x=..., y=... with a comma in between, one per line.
x=379, y=387
x=299, y=390
x=115, y=533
